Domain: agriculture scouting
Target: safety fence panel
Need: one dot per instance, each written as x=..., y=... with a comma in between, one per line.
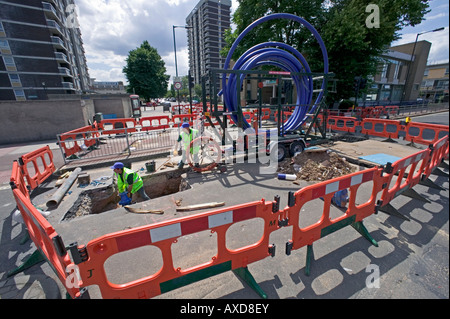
x=163, y=235
x=127, y=144
x=381, y=128
x=325, y=190
x=265, y=113
x=118, y=126
x=42, y=164
x=342, y=123
x=180, y=118
x=44, y=236
x=91, y=258
x=154, y=123
x=391, y=110
x=17, y=180
x=78, y=140
x=424, y=133
x=404, y=180
x=376, y=112
x=439, y=152
x=286, y=115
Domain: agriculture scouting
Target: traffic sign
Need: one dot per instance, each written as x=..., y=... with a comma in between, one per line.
x=177, y=83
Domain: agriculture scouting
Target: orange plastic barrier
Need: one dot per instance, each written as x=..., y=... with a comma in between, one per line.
x=265, y=113
x=286, y=116
x=154, y=123
x=355, y=213
x=400, y=167
x=118, y=126
x=391, y=110
x=91, y=258
x=439, y=152
x=180, y=118
x=73, y=141
x=248, y=116
x=17, y=180
x=42, y=170
x=44, y=236
x=415, y=132
x=381, y=127
x=376, y=112
x=163, y=235
x=342, y=123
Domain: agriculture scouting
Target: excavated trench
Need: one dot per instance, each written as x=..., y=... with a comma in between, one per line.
x=100, y=200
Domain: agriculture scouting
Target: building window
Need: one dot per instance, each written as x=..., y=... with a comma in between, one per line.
x=384, y=70
x=428, y=83
x=442, y=84
x=446, y=71
x=427, y=71
x=397, y=70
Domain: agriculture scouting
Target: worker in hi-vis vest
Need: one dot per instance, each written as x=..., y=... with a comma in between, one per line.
x=129, y=181
x=186, y=137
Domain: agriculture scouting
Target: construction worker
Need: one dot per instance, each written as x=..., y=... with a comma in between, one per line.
x=129, y=181
x=186, y=137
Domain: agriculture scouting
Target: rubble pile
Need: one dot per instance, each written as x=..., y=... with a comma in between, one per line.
x=316, y=165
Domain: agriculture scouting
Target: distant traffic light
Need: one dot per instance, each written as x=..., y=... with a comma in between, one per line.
x=362, y=83
x=190, y=80
x=356, y=82
x=359, y=83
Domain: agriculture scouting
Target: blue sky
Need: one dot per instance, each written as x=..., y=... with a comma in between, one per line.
x=111, y=28
x=437, y=18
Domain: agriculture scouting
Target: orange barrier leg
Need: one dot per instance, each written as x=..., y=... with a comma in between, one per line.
x=34, y=259
x=245, y=275
x=359, y=226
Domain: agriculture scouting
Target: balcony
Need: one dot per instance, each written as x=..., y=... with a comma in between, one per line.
x=58, y=42
x=53, y=25
x=61, y=57
x=64, y=71
x=50, y=11
x=67, y=85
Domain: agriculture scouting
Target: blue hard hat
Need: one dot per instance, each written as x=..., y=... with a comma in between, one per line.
x=117, y=165
x=185, y=125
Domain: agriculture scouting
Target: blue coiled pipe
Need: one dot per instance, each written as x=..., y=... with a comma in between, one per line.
x=286, y=58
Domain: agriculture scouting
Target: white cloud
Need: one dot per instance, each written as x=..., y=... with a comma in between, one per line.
x=439, y=51
x=437, y=16
x=112, y=28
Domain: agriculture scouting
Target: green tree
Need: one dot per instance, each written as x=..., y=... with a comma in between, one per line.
x=353, y=48
x=145, y=71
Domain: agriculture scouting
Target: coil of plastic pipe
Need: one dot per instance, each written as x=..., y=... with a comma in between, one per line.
x=284, y=57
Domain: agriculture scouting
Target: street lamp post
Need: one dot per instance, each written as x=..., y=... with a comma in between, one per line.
x=410, y=62
x=176, y=65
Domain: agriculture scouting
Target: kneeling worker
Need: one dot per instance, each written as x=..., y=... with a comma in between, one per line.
x=129, y=181
x=186, y=137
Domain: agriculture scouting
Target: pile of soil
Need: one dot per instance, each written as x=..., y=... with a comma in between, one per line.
x=317, y=165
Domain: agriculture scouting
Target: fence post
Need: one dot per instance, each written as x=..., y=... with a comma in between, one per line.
x=58, y=136
x=128, y=142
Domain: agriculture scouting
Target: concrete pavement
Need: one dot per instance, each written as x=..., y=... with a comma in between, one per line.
x=412, y=257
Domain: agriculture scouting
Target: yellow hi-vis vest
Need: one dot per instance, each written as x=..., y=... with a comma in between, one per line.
x=188, y=138
x=123, y=184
